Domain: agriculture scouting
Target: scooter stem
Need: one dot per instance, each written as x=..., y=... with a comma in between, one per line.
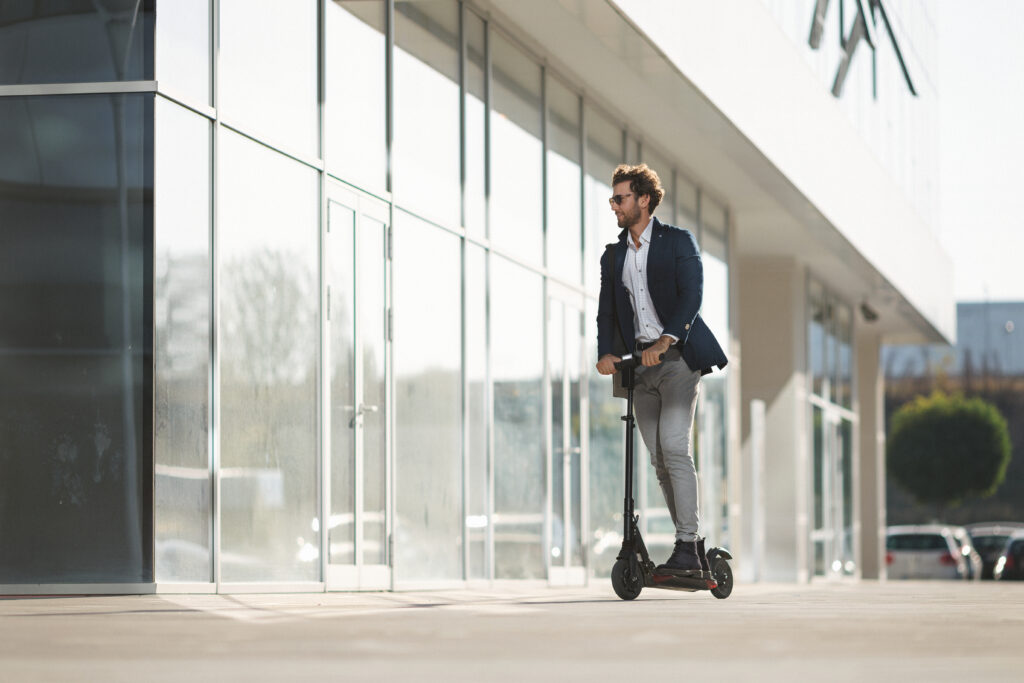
x=628, y=504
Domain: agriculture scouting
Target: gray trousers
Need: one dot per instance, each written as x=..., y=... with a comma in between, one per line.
x=665, y=399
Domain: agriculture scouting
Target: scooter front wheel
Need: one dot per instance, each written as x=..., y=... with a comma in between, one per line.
x=626, y=579
x=722, y=572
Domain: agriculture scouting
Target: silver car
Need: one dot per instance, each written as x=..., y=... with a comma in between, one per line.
x=926, y=551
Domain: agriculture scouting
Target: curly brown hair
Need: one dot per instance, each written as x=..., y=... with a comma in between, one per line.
x=643, y=180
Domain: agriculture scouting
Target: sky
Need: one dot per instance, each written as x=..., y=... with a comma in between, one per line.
x=981, y=138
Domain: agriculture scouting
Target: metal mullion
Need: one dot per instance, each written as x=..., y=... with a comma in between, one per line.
x=214, y=388
x=323, y=357
x=566, y=440
x=548, y=406
x=97, y=88
x=489, y=373
x=464, y=408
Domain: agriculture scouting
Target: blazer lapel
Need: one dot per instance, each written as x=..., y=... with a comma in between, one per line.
x=658, y=258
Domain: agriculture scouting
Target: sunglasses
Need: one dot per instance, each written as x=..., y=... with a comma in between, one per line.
x=617, y=199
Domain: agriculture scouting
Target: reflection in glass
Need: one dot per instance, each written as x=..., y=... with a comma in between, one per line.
x=666, y=209
x=268, y=70
x=517, y=187
x=183, y=48
x=428, y=403
x=340, y=260
x=517, y=344
x=605, y=453
x=478, y=494
x=844, y=369
x=269, y=328
x=76, y=42
x=372, y=328
x=556, y=370
x=426, y=111
x=818, y=441
x=563, y=177
x=181, y=342
x=355, y=137
x=686, y=205
x=476, y=121
x=846, y=474
x=75, y=355
x=816, y=336
x=604, y=152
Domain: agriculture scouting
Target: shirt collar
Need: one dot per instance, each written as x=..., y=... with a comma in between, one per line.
x=645, y=236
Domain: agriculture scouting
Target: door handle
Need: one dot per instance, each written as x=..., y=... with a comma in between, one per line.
x=360, y=411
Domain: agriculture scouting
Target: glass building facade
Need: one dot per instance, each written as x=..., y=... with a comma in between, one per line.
x=316, y=309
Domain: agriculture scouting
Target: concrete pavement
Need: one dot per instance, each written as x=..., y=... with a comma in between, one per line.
x=892, y=631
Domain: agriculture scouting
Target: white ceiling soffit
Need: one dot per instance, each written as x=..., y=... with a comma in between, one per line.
x=620, y=68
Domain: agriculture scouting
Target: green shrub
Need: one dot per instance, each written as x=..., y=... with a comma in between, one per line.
x=944, y=448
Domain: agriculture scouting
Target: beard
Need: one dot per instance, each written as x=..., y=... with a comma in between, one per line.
x=629, y=218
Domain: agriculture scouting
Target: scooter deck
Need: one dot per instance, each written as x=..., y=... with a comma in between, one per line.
x=679, y=583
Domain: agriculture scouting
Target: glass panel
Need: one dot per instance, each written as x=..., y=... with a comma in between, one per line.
x=517, y=323
x=269, y=330
x=605, y=458
x=181, y=341
x=633, y=150
x=686, y=204
x=846, y=453
x=75, y=354
x=556, y=369
x=268, y=70
x=604, y=152
x=517, y=185
x=844, y=371
x=427, y=167
x=831, y=350
x=76, y=42
x=665, y=211
x=356, y=119
x=428, y=403
x=818, y=427
x=341, y=537
x=478, y=514
x=183, y=48
x=563, y=178
x=476, y=123
x=371, y=310
x=574, y=469
x=715, y=303
x=816, y=336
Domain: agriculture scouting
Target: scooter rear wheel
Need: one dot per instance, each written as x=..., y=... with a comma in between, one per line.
x=626, y=579
x=722, y=572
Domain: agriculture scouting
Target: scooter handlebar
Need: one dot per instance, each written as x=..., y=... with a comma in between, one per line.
x=631, y=361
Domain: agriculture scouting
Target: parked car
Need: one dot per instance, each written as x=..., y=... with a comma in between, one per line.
x=990, y=540
x=967, y=549
x=926, y=551
x=1010, y=565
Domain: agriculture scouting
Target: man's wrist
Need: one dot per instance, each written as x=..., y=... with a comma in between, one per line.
x=665, y=342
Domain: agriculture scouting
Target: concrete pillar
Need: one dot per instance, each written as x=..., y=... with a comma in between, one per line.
x=772, y=305
x=871, y=468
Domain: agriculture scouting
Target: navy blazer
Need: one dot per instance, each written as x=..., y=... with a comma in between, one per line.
x=675, y=280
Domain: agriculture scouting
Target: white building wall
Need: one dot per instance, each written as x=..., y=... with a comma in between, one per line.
x=781, y=106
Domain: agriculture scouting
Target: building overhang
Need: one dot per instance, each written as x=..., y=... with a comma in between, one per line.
x=759, y=133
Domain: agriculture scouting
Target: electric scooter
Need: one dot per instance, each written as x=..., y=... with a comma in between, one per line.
x=633, y=569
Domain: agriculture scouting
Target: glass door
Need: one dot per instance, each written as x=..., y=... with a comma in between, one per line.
x=829, y=536
x=356, y=353
x=566, y=561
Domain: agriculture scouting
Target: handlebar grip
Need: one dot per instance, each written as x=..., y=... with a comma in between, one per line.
x=631, y=361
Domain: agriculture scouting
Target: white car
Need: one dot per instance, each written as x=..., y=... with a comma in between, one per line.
x=926, y=551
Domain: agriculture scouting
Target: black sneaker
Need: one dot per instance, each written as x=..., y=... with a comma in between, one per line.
x=684, y=559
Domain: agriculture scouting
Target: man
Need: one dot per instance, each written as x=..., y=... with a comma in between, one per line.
x=652, y=283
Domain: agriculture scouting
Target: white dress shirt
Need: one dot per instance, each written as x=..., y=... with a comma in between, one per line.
x=646, y=323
